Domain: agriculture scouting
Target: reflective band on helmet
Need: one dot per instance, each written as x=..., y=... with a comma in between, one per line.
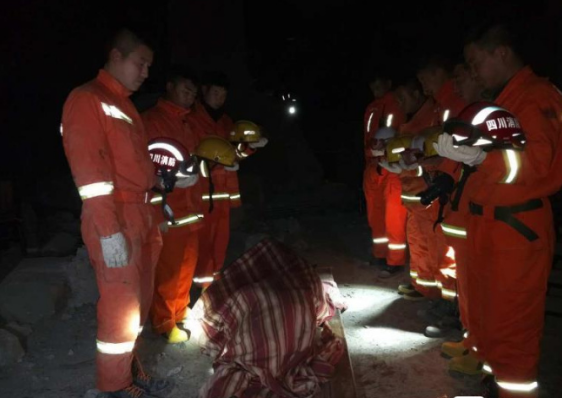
x=448, y=293
x=512, y=161
x=157, y=199
x=217, y=196
x=396, y=246
x=61, y=129
x=465, y=335
x=167, y=147
x=95, y=189
x=424, y=282
x=378, y=241
x=482, y=141
x=408, y=198
x=524, y=387
x=413, y=274
x=191, y=219
x=451, y=230
x=445, y=115
x=205, y=279
x=487, y=368
x=369, y=122
x=459, y=138
x=389, y=120
x=398, y=150
x=140, y=329
x=420, y=171
x=113, y=111
x=235, y=196
x=115, y=348
x=484, y=113
x=475, y=349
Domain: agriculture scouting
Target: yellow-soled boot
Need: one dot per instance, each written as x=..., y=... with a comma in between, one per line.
x=176, y=335
x=467, y=364
x=453, y=349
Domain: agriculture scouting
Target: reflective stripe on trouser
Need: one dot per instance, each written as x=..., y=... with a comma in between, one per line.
x=512, y=274
x=174, y=276
x=125, y=293
x=419, y=241
x=213, y=240
x=395, y=221
x=375, y=203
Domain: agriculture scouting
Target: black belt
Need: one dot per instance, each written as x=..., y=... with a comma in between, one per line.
x=505, y=214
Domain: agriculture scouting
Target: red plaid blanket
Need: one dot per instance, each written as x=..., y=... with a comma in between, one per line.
x=263, y=323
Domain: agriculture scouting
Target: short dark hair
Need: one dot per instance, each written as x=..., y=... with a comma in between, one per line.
x=215, y=78
x=126, y=41
x=176, y=73
x=412, y=85
x=492, y=35
x=379, y=75
x=435, y=62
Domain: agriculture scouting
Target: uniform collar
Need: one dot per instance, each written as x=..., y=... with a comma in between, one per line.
x=516, y=80
x=105, y=78
x=172, y=108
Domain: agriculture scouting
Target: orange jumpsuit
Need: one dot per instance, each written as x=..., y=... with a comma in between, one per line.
x=455, y=217
x=177, y=262
x=449, y=104
x=511, y=237
x=385, y=212
x=425, y=245
x=107, y=149
x=214, y=237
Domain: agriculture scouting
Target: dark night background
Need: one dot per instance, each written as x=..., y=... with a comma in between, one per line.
x=319, y=51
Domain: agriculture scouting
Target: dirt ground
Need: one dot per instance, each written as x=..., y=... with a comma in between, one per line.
x=390, y=356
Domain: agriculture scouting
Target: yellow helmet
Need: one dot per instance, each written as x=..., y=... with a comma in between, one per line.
x=216, y=149
x=245, y=131
x=395, y=146
x=431, y=135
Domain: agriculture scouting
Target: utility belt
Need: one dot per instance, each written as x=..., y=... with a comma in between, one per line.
x=506, y=215
x=122, y=196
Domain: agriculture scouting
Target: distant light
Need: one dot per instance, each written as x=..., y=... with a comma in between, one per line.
x=292, y=110
x=283, y=97
x=288, y=95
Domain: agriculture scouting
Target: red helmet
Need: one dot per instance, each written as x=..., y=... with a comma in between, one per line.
x=486, y=125
x=168, y=155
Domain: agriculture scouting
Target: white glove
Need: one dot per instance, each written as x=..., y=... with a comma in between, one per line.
x=404, y=166
x=164, y=226
x=471, y=156
x=393, y=168
x=189, y=181
x=232, y=168
x=259, y=144
x=377, y=153
x=114, y=249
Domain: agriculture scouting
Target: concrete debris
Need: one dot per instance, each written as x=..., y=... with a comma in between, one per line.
x=22, y=331
x=62, y=244
x=93, y=393
x=174, y=371
x=36, y=289
x=82, y=280
x=11, y=350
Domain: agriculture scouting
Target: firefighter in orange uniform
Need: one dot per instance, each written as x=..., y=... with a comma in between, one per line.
x=106, y=146
x=385, y=212
x=422, y=240
x=177, y=262
x=453, y=224
x=510, y=227
x=209, y=119
x=435, y=76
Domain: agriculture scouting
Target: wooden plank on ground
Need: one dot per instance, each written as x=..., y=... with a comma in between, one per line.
x=342, y=384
